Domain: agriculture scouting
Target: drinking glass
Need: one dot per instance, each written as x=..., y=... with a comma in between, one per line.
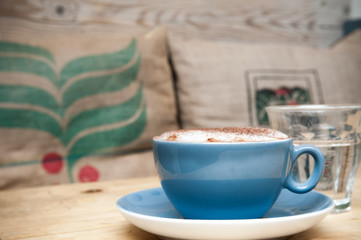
x=336, y=130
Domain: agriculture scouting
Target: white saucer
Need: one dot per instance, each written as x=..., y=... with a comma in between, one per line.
x=292, y=213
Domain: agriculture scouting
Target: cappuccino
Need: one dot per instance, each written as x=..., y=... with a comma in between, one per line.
x=231, y=134
x=229, y=173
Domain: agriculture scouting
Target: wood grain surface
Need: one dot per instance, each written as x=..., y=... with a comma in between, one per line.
x=84, y=211
x=311, y=22
x=88, y=211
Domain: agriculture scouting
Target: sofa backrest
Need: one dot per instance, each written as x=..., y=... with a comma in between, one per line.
x=313, y=22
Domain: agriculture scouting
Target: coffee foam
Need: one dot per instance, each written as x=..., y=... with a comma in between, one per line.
x=246, y=134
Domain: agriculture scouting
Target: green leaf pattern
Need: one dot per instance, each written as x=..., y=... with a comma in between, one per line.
x=90, y=131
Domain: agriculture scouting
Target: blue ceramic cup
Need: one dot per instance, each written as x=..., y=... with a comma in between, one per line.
x=230, y=180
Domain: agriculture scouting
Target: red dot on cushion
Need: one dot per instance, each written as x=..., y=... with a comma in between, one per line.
x=292, y=103
x=282, y=92
x=88, y=174
x=52, y=163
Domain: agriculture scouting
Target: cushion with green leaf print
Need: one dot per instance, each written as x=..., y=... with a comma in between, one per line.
x=71, y=105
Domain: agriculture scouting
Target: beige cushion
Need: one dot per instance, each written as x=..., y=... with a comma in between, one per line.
x=74, y=100
x=229, y=84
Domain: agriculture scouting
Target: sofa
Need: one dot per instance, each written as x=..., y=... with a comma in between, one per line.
x=85, y=85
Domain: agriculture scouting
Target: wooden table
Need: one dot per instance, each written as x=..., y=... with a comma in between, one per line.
x=88, y=211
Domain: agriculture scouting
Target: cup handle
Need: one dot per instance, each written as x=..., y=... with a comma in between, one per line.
x=318, y=169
